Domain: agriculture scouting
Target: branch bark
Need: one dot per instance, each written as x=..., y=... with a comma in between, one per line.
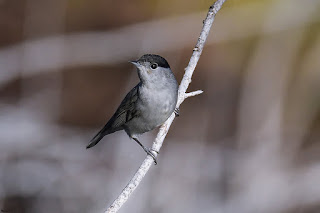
x=186, y=80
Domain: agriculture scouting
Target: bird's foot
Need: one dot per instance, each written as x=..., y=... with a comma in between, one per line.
x=150, y=151
x=177, y=112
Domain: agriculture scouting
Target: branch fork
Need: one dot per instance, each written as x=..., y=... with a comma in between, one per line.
x=194, y=93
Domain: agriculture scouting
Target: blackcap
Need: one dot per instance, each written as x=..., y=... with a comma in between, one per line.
x=148, y=105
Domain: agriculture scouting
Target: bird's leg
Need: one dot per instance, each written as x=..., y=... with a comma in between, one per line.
x=147, y=150
x=177, y=112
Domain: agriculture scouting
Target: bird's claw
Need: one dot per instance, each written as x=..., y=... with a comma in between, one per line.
x=149, y=152
x=177, y=112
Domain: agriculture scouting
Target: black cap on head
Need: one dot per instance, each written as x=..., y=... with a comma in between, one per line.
x=155, y=59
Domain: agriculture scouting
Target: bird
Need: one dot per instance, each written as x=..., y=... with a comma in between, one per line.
x=148, y=105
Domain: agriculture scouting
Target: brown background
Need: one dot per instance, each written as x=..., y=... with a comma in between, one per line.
x=249, y=143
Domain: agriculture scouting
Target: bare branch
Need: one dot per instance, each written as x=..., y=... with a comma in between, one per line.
x=146, y=164
x=194, y=93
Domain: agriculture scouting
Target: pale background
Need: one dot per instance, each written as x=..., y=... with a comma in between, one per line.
x=249, y=144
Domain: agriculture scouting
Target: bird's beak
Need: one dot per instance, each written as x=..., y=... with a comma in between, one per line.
x=135, y=63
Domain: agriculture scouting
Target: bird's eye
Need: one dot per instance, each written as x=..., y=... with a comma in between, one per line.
x=154, y=66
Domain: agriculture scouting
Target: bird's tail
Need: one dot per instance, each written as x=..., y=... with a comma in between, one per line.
x=95, y=139
x=106, y=130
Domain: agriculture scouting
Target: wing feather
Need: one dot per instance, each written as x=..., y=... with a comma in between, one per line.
x=127, y=110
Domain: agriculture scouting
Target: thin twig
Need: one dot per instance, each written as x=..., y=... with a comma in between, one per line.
x=194, y=93
x=146, y=164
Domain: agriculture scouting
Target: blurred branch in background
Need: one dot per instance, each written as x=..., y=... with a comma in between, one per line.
x=256, y=143
x=56, y=52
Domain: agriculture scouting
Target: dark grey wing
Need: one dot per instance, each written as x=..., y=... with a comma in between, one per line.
x=125, y=112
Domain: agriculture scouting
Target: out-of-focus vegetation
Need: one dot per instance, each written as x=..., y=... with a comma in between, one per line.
x=250, y=143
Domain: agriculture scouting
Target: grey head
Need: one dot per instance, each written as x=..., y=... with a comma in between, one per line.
x=152, y=69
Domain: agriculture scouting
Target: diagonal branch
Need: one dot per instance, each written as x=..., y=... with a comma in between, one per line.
x=146, y=164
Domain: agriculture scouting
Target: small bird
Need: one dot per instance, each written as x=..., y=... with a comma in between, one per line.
x=148, y=105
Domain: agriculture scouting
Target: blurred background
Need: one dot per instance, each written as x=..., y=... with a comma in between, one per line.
x=250, y=143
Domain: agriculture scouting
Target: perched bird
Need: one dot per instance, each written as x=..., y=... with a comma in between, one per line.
x=148, y=105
